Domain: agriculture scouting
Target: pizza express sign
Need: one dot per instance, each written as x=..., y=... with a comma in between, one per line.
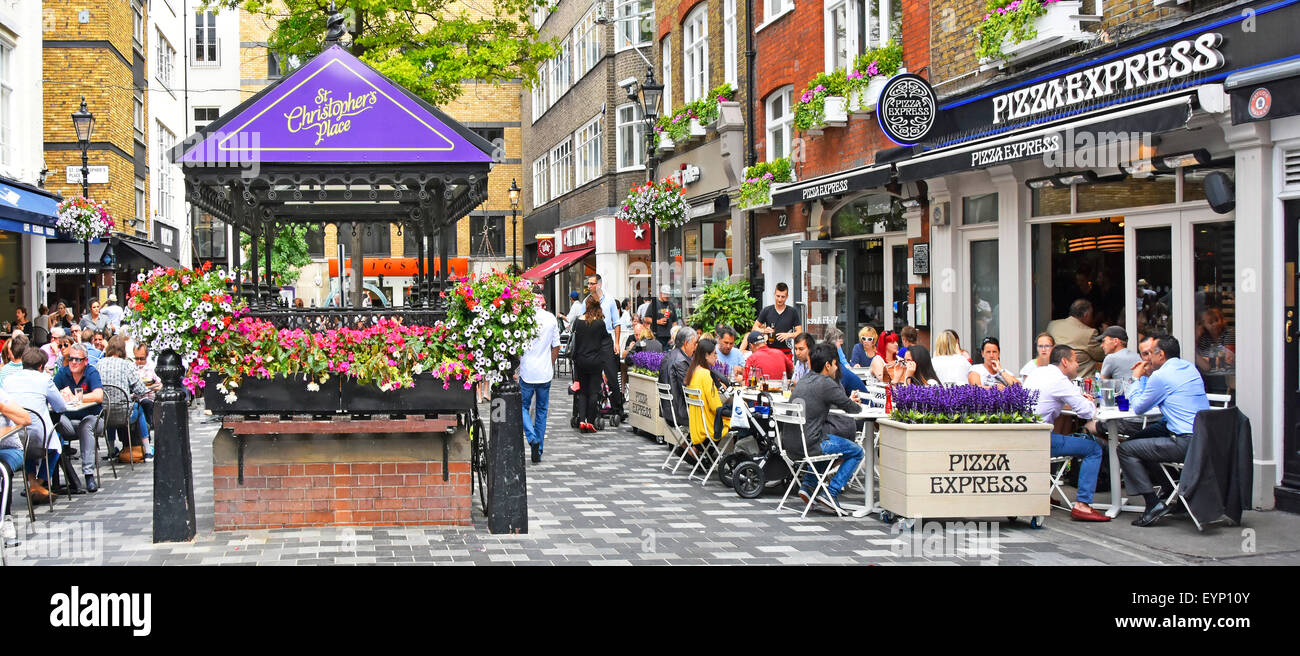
x=907, y=109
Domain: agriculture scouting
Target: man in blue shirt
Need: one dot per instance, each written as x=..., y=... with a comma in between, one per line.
x=728, y=354
x=1174, y=385
x=80, y=423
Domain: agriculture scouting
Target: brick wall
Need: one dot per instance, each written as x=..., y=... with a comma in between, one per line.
x=359, y=493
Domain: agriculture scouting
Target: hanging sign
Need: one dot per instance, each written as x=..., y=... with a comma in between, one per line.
x=545, y=246
x=907, y=109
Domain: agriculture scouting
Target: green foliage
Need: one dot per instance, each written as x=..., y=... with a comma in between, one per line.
x=756, y=190
x=705, y=110
x=1013, y=18
x=288, y=253
x=810, y=110
x=884, y=61
x=724, y=303
x=427, y=46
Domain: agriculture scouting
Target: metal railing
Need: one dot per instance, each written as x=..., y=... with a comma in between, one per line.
x=320, y=319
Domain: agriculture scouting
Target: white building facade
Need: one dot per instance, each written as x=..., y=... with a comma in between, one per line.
x=166, y=75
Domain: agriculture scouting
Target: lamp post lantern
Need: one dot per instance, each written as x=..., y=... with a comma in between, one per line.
x=84, y=123
x=514, y=211
x=650, y=93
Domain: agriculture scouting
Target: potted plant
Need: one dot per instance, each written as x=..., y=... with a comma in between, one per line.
x=756, y=189
x=1011, y=27
x=707, y=108
x=662, y=202
x=871, y=70
x=490, y=322
x=964, y=451
x=643, y=394
x=724, y=303
x=183, y=311
x=822, y=103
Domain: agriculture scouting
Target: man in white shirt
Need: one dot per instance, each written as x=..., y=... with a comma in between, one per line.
x=113, y=312
x=575, y=310
x=1055, y=391
x=536, y=369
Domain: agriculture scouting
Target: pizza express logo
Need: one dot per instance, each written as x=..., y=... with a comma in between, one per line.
x=331, y=116
x=907, y=109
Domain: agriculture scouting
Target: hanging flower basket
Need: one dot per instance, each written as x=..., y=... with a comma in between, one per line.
x=1007, y=23
x=83, y=219
x=490, y=322
x=662, y=202
x=182, y=310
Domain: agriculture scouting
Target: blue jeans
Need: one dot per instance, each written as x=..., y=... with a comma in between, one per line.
x=535, y=426
x=1090, y=451
x=852, y=455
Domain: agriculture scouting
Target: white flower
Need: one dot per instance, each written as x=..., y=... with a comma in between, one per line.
x=231, y=398
x=313, y=387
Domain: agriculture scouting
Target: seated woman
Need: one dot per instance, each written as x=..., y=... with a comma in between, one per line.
x=699, y=376
x=1043, y=350
x=865, y=349
x=886, y=360
x=990, y=373
x=950, y=361
x=917, y=368
x=850, y=380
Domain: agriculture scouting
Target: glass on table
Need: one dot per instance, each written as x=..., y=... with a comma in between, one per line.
x=77, y=394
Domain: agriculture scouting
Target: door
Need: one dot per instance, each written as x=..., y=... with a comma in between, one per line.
x=1291, y=349
x=896, y=288
x=821, y=285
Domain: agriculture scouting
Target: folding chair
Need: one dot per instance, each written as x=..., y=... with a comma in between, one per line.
x=709, y=447
x=116, y=412
x=666, y=395
x=1169, y=469
x=49, y=473
x=1060, y=465
x=792, y=414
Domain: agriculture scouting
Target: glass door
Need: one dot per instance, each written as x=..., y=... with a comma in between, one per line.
x=896, y=274
x=821, y=285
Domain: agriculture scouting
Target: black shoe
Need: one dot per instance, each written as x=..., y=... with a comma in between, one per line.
x=537, y=453
x=112, y=453
x=1152, y=515
x=65, y=490
x=90, y=484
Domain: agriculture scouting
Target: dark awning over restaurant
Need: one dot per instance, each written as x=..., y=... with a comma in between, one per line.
x=153, y=256
x=837, y=184
x=65, y=258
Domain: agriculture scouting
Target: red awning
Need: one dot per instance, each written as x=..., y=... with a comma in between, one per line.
x=556, y=264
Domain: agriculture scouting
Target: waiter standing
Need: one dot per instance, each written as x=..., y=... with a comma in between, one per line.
x=780, y=322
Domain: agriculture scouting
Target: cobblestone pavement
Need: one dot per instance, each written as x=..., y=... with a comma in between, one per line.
x=598, y=500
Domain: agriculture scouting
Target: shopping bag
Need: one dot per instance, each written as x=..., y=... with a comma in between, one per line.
x=738, y=418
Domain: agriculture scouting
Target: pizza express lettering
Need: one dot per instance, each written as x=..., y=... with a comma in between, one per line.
x=836, y=187
x=978, y=462
x=1182, y=59
x=1013, y=151
x=979, y=484
x=331, y=116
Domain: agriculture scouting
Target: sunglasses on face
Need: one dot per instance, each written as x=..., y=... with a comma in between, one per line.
x=141, y=359
x=868, y=339
x=76, y=359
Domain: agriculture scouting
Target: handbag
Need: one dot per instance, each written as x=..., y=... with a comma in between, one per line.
x=134, y=454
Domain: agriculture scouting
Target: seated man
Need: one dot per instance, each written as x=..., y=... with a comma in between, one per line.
x=1054, y=391
x=672, y=371
x=803, y=345
x=115, y=370
x=819, y=391
x=767, y=361
x=77, y=374
x=728, y=354
x=1174, y=385
x=11, y=460
x=88, y=343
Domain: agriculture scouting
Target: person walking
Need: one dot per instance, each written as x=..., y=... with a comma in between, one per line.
x=591, y=345
x=113, y=313
x=536, y=370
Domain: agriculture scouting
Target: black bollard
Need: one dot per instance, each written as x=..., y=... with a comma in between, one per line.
x=173, y=467
x=508, y=486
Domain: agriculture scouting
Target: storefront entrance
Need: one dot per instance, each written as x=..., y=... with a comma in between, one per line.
x=851, y=283
x=1288, y=495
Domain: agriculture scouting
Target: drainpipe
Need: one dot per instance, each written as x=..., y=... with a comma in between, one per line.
x=751, y=156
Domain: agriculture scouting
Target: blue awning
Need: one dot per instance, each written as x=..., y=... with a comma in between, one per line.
x=27, y=209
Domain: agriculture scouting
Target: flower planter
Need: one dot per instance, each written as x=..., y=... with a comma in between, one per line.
x=271, y=396
x=427, y=395
x=965, y=470
x=697, y=130
x=666, y=144
x=865, y=100
x=643, y=405
x=1061, y=24
x=836, y=111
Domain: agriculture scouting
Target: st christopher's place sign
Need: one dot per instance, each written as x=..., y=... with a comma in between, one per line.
x=907, y=109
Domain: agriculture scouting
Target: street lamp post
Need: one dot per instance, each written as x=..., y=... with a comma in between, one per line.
x=649, y=94
x=84, y=122
x=514, y=211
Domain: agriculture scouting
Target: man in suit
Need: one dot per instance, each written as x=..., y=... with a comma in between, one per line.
x=1076, y=331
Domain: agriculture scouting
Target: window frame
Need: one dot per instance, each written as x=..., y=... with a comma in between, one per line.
x=138, y=119
x=166, y=141
x=541, y=180
x=6, y=101
x=637, y=124
x=141, y=200
x=561, y=167
x=588, y=152
x=785, y=122
x=166, y=66
x=137, y=24
x=205, y=38
x=498, y=220
x=642, y=15
x=666, y=73
x=695, y=54
x=730, y=44
x=774, y=9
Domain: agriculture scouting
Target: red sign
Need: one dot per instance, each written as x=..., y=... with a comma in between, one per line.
x=1260, y=102
x=580, y=236
x=545, y=247
x=400, y=266
x=628, y=237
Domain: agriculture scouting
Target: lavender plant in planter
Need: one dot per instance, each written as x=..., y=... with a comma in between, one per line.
x=642, y=394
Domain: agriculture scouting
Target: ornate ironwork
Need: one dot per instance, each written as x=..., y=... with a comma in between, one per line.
x=322, y=319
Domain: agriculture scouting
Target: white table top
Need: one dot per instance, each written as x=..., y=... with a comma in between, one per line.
x=866, y=412
x=72, y=407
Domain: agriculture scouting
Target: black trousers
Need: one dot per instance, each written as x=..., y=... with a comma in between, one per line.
x=588, y=377
x=1138, y=456
x=610, y=367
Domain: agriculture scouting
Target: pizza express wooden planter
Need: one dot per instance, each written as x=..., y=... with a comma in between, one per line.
x=965, y=470
x=643, y=405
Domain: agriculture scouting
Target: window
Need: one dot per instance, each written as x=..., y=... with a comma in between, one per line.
x=780, y=119
x=878, y=32
x=631, y=137
x=838, y=54
x=559, y=70
x=541, y=12
x=205, y=115
x=205, y=38
x=979, y=209
x=695, y=54
x=315, y=239
x=137, y=23
x=140, y=195
x=277, y=64
x=166, y=141
x=166, y=62
x=729, y=43
x=666, y=76
x=562, y=169
x=411, y=242
x=983, y=294
x=539, y=91
x=635, y=20
x=854, y=27
x=541, y=182
x=6, y=103
x=210, y=238
x=139, y=114
x=588, y=144
x=497, y=136
x=777, y=7
x=487, y=235
x=586, y=44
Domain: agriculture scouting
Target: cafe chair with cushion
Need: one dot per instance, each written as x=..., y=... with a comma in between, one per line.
x=792, y=414
x=1173, y=470
x=116, y=415
x=709, y=449
x=666, y=396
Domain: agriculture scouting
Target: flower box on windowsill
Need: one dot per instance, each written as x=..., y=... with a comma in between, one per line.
x=1062, y=24
x=666, y=144
x=835, y=115
x=863, y=101
x=697, y=130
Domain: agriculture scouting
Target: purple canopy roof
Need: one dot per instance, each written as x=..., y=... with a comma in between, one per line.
x=336, y=109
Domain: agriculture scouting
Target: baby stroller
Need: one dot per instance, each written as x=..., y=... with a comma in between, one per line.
x=605, y=415
x=756, y=463
x=564, y=361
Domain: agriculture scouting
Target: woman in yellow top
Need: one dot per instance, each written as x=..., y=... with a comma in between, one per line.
x=700, y=377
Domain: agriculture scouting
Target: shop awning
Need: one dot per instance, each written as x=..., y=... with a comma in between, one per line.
x=27, y=209
x=154, y=256
x=838, y=184
x=65, y=258
x=1265, y=93
x=1154, y=118
x=556, y=264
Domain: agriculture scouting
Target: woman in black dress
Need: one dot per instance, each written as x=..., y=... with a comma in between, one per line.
x=591, y=345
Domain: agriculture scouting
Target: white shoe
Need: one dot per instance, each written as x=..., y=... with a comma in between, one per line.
x=7, y=530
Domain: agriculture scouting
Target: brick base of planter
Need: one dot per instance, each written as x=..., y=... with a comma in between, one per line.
x=340, y=473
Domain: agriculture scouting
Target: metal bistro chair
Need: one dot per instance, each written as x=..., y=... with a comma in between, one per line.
x=1169, y=469
x=710, y=448
x=116, y=413
x=49, y=473
x=666, y=395
x=792, y=414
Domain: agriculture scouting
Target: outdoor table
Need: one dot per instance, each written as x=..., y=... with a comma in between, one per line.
x=866, y=439
x=1111, y=417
